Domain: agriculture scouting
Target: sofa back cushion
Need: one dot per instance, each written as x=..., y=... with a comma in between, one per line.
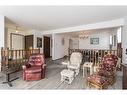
x=36, y=59
x=110, y=59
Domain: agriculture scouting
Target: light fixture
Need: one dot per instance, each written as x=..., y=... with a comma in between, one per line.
x=16, y=29
x=83, y=36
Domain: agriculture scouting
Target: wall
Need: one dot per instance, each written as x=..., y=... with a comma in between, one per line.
x=2, y=31
x=2, y=36
x=31, y=32
x=59, y=50
x=103, y=41
x=124, y=41
x=74, y=43
x=103, y=36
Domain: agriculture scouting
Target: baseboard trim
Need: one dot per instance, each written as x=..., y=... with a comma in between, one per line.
x=57, y=59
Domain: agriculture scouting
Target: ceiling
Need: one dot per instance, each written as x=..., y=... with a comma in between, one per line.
x=54, y=17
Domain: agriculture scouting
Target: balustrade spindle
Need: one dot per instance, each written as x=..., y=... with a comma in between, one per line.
x=94, y=55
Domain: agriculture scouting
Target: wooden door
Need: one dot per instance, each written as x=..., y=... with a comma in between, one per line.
x=47, y=47
x=28, y=42
x=119, y=50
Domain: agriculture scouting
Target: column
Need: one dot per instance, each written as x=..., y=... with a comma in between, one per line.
x=2, y=37
x=124, y=41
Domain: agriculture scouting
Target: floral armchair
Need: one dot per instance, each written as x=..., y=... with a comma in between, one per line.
x=35, y=68
x=105, y=74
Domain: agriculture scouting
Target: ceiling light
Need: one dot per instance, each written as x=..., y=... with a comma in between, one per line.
x=83, y=36
x=16, y=29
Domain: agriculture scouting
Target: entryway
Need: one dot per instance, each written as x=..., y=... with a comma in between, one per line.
x=47, y=46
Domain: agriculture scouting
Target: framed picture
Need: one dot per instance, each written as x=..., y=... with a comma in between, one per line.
x=94, y=41
x=39, y=42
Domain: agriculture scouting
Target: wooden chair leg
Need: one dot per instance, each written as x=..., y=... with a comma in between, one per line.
x=88, y=84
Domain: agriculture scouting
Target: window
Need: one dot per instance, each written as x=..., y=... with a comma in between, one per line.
x=111, y=39
x=119, y=34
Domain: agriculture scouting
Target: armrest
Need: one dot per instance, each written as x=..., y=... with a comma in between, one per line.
x=26, y=66
x=23, y=67
x=44, y=65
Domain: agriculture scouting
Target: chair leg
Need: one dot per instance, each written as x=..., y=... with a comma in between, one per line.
x=88, y=84
x=76, y=72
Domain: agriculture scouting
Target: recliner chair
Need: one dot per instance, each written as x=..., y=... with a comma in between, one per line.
x=35, y=68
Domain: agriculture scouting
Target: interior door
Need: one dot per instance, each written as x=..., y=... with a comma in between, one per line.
x=29, y=42
x=47, y=47
x=119, y=50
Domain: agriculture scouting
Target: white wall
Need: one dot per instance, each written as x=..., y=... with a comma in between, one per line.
x=124, y=41
x=2, y=31
x=103, y=41
x=103, y=36
x=2, y=36
x=32, y=32
x=74, y=43
x=59, y=50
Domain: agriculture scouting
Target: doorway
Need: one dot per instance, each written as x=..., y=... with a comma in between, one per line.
x=46, y=47
x=29, y=39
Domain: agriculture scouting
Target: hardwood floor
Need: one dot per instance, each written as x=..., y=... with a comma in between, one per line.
x=52, y=80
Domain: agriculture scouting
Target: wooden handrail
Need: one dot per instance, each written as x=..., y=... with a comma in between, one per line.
x=12, y=58
x=94, y=55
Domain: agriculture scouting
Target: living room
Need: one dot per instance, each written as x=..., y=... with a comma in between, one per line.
x=98, y=37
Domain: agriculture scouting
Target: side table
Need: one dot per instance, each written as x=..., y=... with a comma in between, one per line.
x=88, y=65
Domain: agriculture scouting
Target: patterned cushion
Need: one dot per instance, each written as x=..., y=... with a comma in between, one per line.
x=109, y=63
x=108, y=67
x=97, y=79
x=105, y=73
x=110, y=59
x=36, y=60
